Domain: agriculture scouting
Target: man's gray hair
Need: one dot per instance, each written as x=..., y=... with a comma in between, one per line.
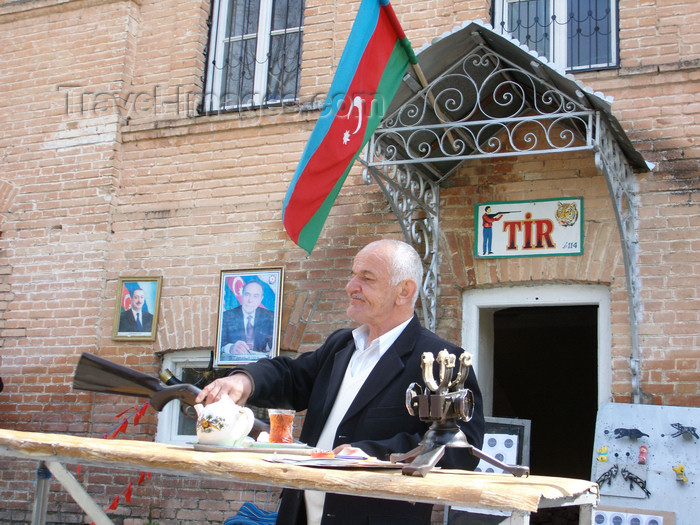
x=406, y=264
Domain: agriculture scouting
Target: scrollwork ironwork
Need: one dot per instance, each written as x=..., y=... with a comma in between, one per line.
x=486, y=106
x=621, y=181
x=482, y=104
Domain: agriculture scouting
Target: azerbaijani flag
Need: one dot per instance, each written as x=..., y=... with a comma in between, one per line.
x=370, y=70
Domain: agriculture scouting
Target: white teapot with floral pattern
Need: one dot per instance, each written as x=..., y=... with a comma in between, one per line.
x=223, y=423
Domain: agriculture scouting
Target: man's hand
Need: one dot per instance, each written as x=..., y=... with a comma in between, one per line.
x=349, y=450
x=240, y=347
x=238, y=387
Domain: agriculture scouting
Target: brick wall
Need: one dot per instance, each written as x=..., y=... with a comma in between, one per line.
x=656, y=99
x=107, y=173
x=530, y=178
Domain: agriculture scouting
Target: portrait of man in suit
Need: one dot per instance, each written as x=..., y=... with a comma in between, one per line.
x=136, y=319
x=136, y=308
x=247, y=330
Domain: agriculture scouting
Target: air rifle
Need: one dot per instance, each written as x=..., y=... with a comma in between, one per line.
x=96, y=374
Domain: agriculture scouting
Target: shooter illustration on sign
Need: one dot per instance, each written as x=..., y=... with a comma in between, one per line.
x=487, y=220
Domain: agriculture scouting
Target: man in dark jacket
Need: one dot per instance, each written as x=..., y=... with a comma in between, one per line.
x=354, y=386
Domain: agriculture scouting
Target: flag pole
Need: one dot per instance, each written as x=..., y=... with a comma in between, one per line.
x=413, y=60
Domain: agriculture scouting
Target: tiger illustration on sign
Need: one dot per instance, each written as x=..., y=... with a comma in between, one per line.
x=566, y=214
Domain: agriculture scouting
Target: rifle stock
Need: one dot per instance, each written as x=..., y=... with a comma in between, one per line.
x=96, y=374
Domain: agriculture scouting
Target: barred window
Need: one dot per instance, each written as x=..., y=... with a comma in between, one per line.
x=254, y=53
x=574, y=34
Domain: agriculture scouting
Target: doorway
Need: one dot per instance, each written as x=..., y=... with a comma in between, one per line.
x=530, y=332
x=542, y=353
x=545, y=370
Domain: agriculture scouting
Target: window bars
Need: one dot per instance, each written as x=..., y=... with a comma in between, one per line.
x=573, y=34
x=254, y=56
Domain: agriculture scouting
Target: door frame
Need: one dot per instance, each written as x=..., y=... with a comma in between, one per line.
x=479, y=306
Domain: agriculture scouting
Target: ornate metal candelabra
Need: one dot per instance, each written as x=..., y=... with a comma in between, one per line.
x=440, y=404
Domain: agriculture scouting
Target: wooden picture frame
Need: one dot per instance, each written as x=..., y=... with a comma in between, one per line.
x=256, y=291
x=136, y=295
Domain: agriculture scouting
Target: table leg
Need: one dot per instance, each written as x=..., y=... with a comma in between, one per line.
x=41, y=496
x=585, y=516
x=78, y=493
x=518, y=517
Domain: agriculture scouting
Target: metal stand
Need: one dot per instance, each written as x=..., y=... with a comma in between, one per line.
x=431, y=449
x=450, y=401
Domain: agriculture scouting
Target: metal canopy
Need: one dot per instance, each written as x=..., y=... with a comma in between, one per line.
x=487, y=96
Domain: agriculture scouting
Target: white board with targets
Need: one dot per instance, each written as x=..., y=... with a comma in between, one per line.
x=508, y=441
x=646, y=460
x=503, y=447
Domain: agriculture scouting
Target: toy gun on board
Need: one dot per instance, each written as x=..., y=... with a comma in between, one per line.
x=96, y=374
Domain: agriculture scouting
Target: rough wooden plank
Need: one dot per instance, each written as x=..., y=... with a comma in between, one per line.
x=477, y=490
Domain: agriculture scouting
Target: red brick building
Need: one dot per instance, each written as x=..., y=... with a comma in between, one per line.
x=129, y=150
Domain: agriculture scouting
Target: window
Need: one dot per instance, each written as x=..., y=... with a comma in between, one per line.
x=574, y=34
x=173, y=426
x=254, y=53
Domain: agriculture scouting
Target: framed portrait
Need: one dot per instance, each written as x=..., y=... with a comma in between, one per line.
x=136, y=312
x=248, y=322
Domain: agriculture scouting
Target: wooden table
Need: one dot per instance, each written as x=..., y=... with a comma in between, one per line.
x=502, y=492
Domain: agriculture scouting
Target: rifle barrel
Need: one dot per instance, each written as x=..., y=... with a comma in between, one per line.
x=492, y=215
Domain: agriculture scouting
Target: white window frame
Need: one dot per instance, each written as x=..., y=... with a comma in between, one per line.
x=558, y=42
x=479, y=306
x=168, y=418
x=212, y=98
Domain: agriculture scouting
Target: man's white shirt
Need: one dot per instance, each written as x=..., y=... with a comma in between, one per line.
x=362, y=362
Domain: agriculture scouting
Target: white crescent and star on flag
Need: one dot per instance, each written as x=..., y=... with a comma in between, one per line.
x=357, y=103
